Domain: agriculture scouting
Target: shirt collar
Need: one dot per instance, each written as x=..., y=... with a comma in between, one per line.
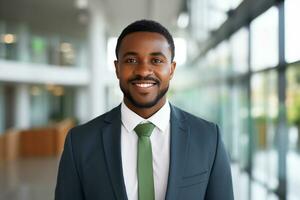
x=130, y=119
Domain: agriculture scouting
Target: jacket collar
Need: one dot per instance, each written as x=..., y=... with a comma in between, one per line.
x=112, y=149
x=178, y=151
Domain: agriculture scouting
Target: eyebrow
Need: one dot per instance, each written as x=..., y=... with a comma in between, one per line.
x=132, y=53
x=158, y=54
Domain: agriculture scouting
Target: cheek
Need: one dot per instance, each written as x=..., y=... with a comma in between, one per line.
x=164, y=73
x=124, y=73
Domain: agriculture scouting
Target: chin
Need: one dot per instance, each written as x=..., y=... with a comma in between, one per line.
x=148, y=104
x=141, y=102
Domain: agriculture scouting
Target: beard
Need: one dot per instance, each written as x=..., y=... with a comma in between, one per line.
x=150, y=104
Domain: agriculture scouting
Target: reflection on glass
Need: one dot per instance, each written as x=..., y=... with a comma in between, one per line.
x=239, y=51
x=264, y=41
x=264, y=113
x=292, y=31
x=293, y=113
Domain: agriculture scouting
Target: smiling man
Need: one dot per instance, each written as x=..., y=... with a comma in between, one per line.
x=144, y=67
x=145, y=148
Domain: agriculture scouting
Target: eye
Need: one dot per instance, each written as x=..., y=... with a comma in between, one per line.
x=157, y=61
x=131, y=60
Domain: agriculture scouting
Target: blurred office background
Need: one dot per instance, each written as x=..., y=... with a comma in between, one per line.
x=238, y=65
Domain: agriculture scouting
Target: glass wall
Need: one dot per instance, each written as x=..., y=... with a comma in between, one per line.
x=21, y=43
x=51, y=103
x=264, y=114
x=239, y=51
x=293, y=113
x=264, y=40
x=240, y=124
x=244, y=80
x=48, y=104
x=292, y=43
x=292, y=40
x=208, y=15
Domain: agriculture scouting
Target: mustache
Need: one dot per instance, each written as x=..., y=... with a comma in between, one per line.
x=146, y=78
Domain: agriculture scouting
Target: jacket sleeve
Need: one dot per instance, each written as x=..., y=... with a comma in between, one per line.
x=68, y=184
x=220, y=180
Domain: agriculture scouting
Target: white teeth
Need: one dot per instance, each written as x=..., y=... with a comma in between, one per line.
x=144, y=85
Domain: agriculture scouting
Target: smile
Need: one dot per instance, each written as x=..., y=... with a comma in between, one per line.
x=144, y=85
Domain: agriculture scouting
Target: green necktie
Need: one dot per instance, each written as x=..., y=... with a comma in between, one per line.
x=144, y=162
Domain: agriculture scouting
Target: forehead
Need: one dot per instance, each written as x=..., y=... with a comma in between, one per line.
x=140, y=42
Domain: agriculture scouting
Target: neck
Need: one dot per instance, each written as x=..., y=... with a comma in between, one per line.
x=146, y=112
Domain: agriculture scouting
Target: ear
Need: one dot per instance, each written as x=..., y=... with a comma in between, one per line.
x=172, y=70
x=117, y=68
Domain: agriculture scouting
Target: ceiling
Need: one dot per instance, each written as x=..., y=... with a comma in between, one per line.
x=122, y=12
x=62, y=15
x=42, y=15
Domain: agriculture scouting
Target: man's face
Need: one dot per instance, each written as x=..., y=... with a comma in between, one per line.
x=144, y=69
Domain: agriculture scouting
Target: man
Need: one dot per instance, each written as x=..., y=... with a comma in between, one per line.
x=145, y=148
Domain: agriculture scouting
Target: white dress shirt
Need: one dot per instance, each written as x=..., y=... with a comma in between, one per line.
x=160, y=142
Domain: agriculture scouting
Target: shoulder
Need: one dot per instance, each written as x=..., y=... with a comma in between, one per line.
x=95, y=125
x=202, y=133
x=193, y=121
x=204, y=136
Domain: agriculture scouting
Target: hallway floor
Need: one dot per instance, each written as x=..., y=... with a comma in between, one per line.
x=28, y=179
x=34, y=179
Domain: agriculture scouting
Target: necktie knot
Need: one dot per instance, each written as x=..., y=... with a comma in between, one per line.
x=144, y=130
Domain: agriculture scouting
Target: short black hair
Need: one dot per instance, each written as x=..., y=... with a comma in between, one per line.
x=146, y=26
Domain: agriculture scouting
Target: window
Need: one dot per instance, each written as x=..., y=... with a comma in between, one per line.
x=292, y=39
x=264, y=41
x=264, y=114
x=240, y=119
x=51, y=103
x=239, y=51
x=293, y=116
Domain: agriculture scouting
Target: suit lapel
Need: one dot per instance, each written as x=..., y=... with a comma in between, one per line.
x=112, y=149
x=178, y=151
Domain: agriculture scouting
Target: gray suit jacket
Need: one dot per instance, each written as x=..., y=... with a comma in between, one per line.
x=91, y=165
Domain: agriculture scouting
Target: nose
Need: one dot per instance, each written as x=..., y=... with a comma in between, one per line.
x=143, y=69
